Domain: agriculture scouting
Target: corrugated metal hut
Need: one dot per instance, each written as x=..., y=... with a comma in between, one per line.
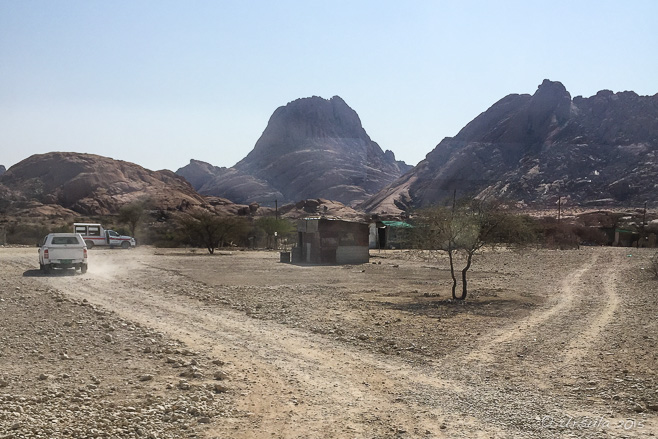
x=331, y=241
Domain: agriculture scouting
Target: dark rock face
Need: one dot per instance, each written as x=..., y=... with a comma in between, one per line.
x=533, y=149
x=94, y=185
x=311, y=148
x=2, y=169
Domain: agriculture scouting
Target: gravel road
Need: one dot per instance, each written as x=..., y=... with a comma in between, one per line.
x=175, y=343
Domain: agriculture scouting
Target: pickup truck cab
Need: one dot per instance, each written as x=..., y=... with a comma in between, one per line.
x=63, y=250
x=95, y=234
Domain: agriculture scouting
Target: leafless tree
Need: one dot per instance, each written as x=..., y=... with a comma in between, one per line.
x=464, y=227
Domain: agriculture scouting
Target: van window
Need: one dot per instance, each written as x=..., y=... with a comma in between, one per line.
x=59, y=240
x=94, y=231
x=81, y=229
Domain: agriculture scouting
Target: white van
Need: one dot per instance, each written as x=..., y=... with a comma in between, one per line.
x=95, y=234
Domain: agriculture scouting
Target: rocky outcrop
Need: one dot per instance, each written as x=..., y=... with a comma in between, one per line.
x=2, y=169
x=532, y=149
x=311, y=148
x=93, y=185
x=197, y=173
x=229, y=183
x=320, y=208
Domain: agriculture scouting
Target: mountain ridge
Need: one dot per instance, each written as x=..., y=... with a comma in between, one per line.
x=532, y=149
x=311, y=148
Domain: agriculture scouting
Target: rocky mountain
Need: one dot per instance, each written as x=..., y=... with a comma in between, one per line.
x=64, y=182
x=311, y=148
x=2, y=169
x=532, y=149
x=229, y=183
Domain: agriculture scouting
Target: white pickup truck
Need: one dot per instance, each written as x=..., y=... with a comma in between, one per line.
x=63, y=250
x=95, y=234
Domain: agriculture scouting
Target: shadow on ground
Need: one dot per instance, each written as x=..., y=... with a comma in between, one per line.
x=54, y=273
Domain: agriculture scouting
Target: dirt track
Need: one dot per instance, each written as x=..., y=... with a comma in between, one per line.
x=550, y=343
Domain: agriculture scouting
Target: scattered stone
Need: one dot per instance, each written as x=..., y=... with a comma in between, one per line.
x=220, y=388
x=146, y=377
x=220, y=375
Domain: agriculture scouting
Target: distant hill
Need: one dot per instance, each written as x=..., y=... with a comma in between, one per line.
x=90, y=184
x=311, y=148
x=532, y=149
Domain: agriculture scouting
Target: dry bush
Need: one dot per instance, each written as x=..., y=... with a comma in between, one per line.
x=559, y=235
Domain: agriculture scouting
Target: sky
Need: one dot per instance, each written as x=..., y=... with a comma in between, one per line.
x=161, y=82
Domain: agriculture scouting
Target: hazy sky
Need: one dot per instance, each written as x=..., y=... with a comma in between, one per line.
x=160, y=82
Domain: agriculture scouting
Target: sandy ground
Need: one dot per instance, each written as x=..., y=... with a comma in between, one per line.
x=177, y=343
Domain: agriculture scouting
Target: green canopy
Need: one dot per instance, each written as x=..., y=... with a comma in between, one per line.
x=400, y=224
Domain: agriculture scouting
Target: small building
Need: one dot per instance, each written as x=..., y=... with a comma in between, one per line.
x=331, y=241
x=626, y=238
x=390, y=234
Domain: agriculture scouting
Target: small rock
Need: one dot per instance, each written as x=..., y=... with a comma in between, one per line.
x=183, y=385
x=220, y=388
x=204, y=420
x=220, y=375
x=43, y=377
x=108, y=338
x=146, y=377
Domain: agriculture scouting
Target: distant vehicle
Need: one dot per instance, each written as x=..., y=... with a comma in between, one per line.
x=63, y=250
x=95, y=234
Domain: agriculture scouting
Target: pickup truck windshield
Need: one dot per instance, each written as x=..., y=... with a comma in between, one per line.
x=65, y=240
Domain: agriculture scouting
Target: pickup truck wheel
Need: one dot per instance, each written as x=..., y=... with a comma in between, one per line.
x=83, y=268
x=125, y=244
x=47, y=268
x=89, y=244
x=42, y=267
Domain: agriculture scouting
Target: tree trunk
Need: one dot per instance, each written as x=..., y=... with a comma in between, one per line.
x=452, y=273
x=464, y=282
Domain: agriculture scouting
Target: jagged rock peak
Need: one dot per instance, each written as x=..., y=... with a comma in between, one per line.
x=313, y=118
x=2, y=169
x=311, y=148
x=531, y=149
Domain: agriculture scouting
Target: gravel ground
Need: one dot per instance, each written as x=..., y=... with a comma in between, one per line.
x=175, y=343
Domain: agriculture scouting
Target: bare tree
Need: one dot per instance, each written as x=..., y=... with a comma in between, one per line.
x=462, y=228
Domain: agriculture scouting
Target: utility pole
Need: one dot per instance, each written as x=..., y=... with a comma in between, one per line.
x=559, y=208
x=276, y=209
